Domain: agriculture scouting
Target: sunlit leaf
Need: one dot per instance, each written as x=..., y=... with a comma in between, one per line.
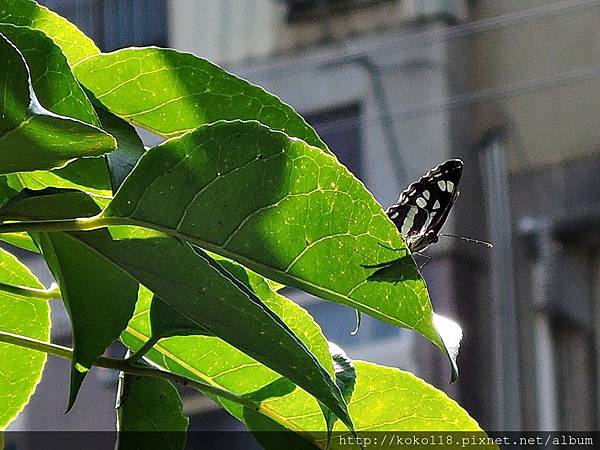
x=192, y=92
x=282, y=208
x=75, y=45
x=198, y=288
x=20, y=368
x=31, y=137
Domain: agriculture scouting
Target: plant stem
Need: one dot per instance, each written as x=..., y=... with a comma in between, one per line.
x=41, y=294
x=125, y=366
x=84, y=224
x=143, y=349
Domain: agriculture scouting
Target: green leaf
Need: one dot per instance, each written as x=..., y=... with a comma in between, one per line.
x=201, y=290
x=99, y=297
x=75, y=45
x=152, y=406
x=282, y=208
x=21, y=368
x=192, y=92
x=345, y=378
x=388, y=399
x=97, y=177
x=54, y=84
x=89, y=175
x=21, y=240
x=194, y=357
x=59, y=92
x=31, y=137
x=130, y=147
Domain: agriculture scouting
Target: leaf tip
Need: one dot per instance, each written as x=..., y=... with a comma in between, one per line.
x=451, y=334
x=78, y=373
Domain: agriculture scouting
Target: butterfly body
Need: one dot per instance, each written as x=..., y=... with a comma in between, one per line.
x=423, y=208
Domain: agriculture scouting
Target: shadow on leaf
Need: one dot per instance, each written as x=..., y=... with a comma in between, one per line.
x=394, y=271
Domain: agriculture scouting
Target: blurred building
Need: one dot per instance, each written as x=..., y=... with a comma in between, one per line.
x=396, y=87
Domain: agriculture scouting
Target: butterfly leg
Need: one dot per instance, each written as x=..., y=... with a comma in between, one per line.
x=426, y=257
x=392, y=248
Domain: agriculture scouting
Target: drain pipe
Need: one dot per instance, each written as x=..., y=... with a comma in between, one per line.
x=545, y=366
x=392, y=142
x=507, y=393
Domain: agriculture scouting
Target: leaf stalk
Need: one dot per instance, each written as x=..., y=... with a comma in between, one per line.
x=24, y=291
x=82, y=224
x=127, y=367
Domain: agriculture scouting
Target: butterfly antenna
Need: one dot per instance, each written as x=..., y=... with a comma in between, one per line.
x=474, y=241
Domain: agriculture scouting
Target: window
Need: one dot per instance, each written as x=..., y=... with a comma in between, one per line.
x=303, y=9
x=114, y=24
x=572, y=319
x=340, y=129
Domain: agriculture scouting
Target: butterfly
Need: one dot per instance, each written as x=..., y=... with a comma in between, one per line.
x=423, y=207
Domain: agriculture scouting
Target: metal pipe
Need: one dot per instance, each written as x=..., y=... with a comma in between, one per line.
x=507, y=393
x=373, y=71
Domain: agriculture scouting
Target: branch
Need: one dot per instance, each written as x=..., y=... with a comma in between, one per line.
x=127, y=367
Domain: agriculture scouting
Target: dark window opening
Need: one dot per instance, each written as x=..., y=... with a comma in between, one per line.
x=114, y=24
x=305, y=9
x=340, y=129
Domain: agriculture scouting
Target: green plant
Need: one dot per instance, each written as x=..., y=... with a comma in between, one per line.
x=179, y=250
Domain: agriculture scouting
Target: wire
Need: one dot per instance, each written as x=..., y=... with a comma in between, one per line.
x=458, y=101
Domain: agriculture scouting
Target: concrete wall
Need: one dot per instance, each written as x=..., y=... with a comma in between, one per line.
x=558, y=56
x=230, y=31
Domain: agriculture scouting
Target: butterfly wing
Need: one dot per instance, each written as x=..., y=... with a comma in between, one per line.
x=424, y=206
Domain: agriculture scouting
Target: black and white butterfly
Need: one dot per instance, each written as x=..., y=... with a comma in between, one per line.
x=424, y=206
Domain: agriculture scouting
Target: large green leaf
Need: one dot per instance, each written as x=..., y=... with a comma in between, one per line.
x=282, y=208
x=99, y=297
x=95, y=176
x=59, y=92
x=149, y=414
x=20, y=368
x=170, y=92
x=212, y=360
x=198, y=288
x=75, y=45
x=31, y=137
x=388, y=399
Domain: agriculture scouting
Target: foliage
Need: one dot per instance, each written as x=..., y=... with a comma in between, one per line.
x=179, y=250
